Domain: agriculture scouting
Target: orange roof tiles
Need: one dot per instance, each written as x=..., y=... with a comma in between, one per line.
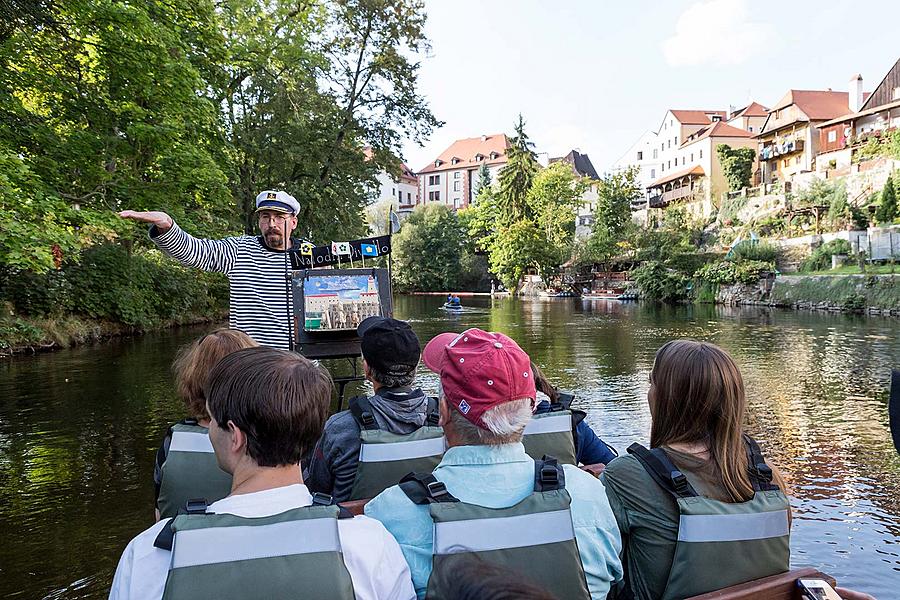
x=695, y=117
x=465, y=151
x=695, y=170
x=817, y=105
x=754, y=109
x=720, y=129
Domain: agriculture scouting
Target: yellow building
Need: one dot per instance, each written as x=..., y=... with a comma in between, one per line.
x=789, y=140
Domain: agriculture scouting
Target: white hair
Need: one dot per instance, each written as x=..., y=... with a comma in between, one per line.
x=503, y=424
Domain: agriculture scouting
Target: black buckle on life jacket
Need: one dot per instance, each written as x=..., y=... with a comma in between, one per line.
x=679, y=481
x=196, y=506
x=367, y=419
x=436, y=489
x=549, y=475
x=321, y=499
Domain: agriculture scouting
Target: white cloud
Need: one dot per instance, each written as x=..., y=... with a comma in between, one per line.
x=717, y=32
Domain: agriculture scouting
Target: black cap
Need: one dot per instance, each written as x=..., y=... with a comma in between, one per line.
x=389, y=345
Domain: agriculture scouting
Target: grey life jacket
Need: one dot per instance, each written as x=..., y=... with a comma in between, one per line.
x=535, y=537
x=721, y=544
x=190, y=470
x=385, y=457
x=294, y=554
x=552, y=433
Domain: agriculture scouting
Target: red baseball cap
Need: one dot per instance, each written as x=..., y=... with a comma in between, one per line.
x=479, y=370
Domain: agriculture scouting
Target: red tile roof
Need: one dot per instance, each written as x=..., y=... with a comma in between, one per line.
x=720, y=129
x=695, y=170
x=465, y=151
x=696, y=117
x=754, y=109
x=817, y=105
x=406, y=174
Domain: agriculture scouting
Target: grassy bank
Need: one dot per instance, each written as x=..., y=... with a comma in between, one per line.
x=108, y=291
x=847, y=292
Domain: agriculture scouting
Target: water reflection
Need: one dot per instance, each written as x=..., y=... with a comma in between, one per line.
x=78, y=429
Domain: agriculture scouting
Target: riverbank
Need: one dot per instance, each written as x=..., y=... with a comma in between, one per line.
x=22, y=335
x=858, y=294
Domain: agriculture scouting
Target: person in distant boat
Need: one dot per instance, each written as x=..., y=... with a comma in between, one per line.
x=365, y=449
x=589, y=450
x=255, y=265
x=701, y=510
x=455, y=301
x=487, y=497
x=185, y=465
x=269, y=538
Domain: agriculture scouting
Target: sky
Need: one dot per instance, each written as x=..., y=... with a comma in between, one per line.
x=593, y=75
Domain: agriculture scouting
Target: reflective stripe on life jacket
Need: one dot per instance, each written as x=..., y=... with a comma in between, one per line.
x=190, y=470
x=721, y=544
x=535, y=537
x=552, y=433
x=385, y=457
x=297, y=552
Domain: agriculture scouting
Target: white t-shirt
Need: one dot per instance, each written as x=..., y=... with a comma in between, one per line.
x=372, y=555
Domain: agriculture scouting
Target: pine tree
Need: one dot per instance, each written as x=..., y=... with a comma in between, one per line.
x=887, y=210
x=484, y=178
x=517, y=176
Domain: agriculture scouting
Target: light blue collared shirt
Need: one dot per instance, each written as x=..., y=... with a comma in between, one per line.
x=499, y=477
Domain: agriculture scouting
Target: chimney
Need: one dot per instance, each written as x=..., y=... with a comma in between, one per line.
x=855, y=97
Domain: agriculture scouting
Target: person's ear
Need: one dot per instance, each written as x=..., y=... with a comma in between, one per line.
x=444, y=409
x=238, y=443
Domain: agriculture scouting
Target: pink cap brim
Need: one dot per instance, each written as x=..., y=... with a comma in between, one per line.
x=433, y=354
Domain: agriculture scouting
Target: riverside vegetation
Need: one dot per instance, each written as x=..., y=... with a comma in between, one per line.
x=191, y=107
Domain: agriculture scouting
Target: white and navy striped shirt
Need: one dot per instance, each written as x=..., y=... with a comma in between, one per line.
x=259, y=299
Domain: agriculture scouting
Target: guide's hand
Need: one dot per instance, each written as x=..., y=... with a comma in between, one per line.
x=161, y=220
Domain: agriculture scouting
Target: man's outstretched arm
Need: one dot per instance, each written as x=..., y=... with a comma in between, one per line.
x=208, y=255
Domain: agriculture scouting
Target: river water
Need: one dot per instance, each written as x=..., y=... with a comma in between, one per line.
x=79, y=428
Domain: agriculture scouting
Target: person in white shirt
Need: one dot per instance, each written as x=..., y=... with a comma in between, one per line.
x=268, y=406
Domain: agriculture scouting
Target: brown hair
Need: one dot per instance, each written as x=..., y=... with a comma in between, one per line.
x=697, y=396
x=197, y=359
x=279, y=399
x=543, y=385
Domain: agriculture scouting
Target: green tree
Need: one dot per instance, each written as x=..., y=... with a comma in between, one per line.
x=428, y=249
x=612, y=216
x=484, y=179
x=737, y=165
x=517, y=176
x=887, y=209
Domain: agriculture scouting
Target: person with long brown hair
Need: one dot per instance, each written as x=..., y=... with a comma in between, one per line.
x=185, y=467
x=701, y=466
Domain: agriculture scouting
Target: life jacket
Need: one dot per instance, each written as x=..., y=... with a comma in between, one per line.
x=721, y=544
x=552, y=433
x=190, y=470
x=535, y=536
x=293, y=554
x=385, y=457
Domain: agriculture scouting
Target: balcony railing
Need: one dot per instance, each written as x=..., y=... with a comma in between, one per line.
x=781, y=149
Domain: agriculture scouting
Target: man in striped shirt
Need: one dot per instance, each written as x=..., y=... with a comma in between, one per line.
x=260, y=297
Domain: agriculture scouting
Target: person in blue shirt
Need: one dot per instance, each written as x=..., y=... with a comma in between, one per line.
x=590, y=450
x=486, y=400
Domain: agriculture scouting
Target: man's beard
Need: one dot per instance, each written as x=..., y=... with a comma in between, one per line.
x=274, y=238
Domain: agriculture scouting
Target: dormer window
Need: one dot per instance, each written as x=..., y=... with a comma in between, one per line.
x=494, y=155
x=438, y=162
x=479, y=157
x=716, y=118
x=454, y=160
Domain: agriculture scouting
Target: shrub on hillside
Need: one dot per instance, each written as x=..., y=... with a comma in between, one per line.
x=659, y=284
x=729, y=272
x=761, y=251
x=820, y=259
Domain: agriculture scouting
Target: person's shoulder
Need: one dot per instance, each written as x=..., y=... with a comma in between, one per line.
x=340, y=423
x=143, y=543
x=624, y=468
x=392, y=503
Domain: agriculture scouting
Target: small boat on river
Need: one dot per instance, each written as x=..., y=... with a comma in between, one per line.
x=452, y=308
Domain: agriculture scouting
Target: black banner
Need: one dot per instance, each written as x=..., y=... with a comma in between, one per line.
x=322, y=256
